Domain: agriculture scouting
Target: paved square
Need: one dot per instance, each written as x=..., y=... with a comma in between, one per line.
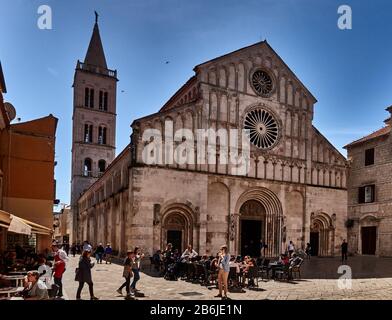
x=108, y=277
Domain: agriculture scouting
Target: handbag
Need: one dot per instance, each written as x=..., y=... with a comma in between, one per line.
x=77, y=274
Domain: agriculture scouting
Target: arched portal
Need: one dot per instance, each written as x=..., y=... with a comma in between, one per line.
x=321, y=234
x=263, y=207
x=177, y=227
x=252, y=227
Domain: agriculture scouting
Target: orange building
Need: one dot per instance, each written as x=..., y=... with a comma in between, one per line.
x=27, y=152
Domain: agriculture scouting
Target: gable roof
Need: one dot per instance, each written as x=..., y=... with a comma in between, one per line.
x=379, y=133
x=261, y=43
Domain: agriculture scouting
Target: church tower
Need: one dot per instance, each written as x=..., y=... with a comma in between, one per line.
x=94, y=121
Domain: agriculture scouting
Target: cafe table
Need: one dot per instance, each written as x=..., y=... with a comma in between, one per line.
x=10, y=290
x=18, y=278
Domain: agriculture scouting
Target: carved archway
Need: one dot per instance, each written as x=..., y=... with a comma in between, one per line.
x=267, y=208
x=322, y=229
x=177, y=219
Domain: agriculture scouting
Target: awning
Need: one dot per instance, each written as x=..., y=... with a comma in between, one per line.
x=20, y=225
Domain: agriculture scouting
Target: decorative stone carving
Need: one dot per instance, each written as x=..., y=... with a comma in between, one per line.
x=157, y=211
x=232, y=227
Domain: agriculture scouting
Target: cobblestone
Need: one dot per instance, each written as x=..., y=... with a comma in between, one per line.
x=107, y=279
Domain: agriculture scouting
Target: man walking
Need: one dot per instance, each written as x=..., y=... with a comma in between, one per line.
x=344, y=247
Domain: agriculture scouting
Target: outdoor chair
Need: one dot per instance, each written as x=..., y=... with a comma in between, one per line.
x=52, y=292
x=282, y=273
x=253, y=275
x=233, y=278
x=296, y=270
x=264, y=269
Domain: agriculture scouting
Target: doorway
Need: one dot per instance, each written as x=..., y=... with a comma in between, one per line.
x=250, y=237
x=314, y=243
x=175, y=238
x=369, y=240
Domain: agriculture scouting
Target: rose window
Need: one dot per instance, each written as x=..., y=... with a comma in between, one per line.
x=263, y=128
x=262, y=83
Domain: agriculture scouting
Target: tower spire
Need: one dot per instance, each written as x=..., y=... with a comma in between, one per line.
x=95, y=55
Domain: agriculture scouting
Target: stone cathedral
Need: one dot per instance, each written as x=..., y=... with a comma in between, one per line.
x=294, y=188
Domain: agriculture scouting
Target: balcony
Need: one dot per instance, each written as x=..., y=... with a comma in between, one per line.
x=95, y=69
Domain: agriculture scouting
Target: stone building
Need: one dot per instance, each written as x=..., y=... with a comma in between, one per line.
x=293, y=186
x=94, y=120
x=27, y=185
x=369, y=192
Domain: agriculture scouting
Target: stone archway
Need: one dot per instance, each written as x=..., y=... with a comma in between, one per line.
x=322, y=234
x=268, y=210
x=177, y=226
x=252, y=227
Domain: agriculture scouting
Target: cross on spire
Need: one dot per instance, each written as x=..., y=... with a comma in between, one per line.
x=96, y=16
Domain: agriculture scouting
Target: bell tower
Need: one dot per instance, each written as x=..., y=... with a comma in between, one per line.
x=93, y=121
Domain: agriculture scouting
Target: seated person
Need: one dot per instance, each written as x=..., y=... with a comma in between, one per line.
x=188, y=254
x=45, y=271
x=295, y=260
x=234, y=264
x=35, y=289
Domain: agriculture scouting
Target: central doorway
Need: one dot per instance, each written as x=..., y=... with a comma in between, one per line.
x=250, y=237
x=175, y=238
x=314, y=243
x=369, y=240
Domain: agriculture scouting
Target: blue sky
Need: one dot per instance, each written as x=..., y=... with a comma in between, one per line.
x=349, y=72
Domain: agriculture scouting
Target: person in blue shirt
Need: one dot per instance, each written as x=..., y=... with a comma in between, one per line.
x=108, y=254
x=224, y=269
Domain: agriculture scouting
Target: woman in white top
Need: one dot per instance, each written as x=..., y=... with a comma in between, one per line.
x=45, y=271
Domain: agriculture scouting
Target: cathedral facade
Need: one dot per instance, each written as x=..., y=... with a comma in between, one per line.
x=289, y=184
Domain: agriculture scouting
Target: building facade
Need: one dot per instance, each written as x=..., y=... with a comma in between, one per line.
x=94, y=120
x=293, y=186
x=369, y=196
x=27, y=184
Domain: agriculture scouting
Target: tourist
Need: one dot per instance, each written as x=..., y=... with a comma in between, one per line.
x=44, y=271
x=60, y=259
x=84, y=275
x=36, y=289
x=168, y=256
x=99, y=252
x=73, y=249
x=108, y=254
x=308, y=250
x=224, y=269
x=188, y=254
x=127, y=273
x=87, y=246
x=344, y=247
x=135, y=266
x=290, y=248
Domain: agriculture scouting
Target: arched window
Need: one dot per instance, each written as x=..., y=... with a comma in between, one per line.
x=87, y=170
x=101, y=166
x=103, y=100
x=88, y=133
x=89, y=97
x=102, y=135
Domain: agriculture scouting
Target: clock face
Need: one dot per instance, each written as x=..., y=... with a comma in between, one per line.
x=262, y=83
x=263, y=128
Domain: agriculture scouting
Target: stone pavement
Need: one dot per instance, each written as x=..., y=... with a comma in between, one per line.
x=108, y=277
